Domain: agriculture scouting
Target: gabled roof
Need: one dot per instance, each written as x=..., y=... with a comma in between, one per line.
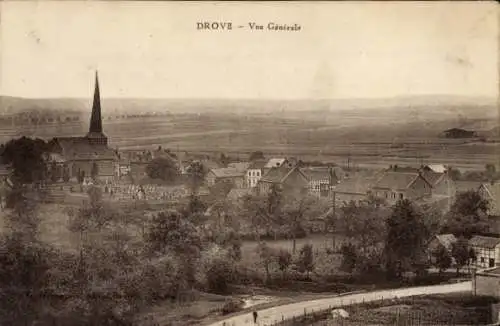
x=493, y=193
x=274, y=162
x=79, y=148
x=447, y=240
x=357, y=185
x=280, y=174
x=240, y=166
x=433, y=177
x=316, y=174
x=227, y=173
x=484, y=242
x=397, y=180
x=493, y=190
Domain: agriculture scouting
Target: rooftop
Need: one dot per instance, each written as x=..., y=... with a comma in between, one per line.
x=274, y=162
x=359, y=185
x=485, y=242
x=257, y=165
x=396, y=180
x=227, y=172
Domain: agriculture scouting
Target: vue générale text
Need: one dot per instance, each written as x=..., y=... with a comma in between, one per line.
x=227, y=26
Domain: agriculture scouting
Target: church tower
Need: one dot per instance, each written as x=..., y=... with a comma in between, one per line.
x=95, y=135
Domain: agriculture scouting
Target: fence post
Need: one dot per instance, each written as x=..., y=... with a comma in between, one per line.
x=282, y=318
x=304, y=312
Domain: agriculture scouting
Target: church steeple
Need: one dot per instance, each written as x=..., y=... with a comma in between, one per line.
x=95, y=135
x=95, y=118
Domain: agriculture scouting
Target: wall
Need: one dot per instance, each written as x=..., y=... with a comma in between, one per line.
x=488, y=285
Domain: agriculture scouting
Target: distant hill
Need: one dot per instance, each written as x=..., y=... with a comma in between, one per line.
x=462, y=109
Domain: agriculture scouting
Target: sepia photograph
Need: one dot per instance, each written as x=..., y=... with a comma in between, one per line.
x=270, y=163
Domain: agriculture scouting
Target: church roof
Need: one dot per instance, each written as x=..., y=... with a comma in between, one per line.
x=79, y=148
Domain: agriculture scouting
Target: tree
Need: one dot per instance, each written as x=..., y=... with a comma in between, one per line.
x=406, y=236
x=460, y=252
x=162, y=168
x=257, y=155
x=349, y=257
x=296, y=215
x=26, y=156
x=196, y=172
x=284, y=261
x=264, y=211
x=54, y=172
x=267, y=258
x=306, y=259
x=490, y=171
x=170, y=231
x=442, y=258
x=94, y=172
x=66, y=175
x=467, y=215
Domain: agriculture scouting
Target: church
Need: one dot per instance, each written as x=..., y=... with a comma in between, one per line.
x=88, y=156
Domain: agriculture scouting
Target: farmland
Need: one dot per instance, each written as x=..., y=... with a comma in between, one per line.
x=405, y=136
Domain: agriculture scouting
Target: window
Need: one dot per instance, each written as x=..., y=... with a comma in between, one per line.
x=491, y=262
x=482, y=259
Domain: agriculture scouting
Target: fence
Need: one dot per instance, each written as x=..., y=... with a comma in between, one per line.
x=397, y=317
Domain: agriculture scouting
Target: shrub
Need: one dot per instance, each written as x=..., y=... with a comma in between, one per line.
x=231, y=306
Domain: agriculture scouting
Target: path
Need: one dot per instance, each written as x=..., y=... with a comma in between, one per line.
x=271, y=315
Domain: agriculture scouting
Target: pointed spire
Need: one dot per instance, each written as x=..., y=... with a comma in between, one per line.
x=95, y=118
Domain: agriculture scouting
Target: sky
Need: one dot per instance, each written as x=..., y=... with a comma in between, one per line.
x=343, y=50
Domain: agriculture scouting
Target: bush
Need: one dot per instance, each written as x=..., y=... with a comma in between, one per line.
x=232, y=306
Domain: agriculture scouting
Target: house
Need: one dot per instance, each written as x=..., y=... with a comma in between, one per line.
x=254, y=173
x=352, y=189
x=393, y=186
x=445, y=240
x=487, y=250
x=487, y=283
x=233, y=176
x=458, y=133
x=274, y=163
x=240, y=166
x=320, y=180
x=289, y=179
x=442, y=184
x=491, y=192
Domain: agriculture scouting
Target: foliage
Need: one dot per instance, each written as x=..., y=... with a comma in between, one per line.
x=442, y=258
x=94, y=172
x=26, y=156
x=349, y=257
x=162, y=168
x=306, y=259
x=267, y=258
x=55, y=174
x=196, y=172
x=467, y=215
x=461, y=253
x=257, y=155
x=406, y=236
x=284, y=261
x=66, y=173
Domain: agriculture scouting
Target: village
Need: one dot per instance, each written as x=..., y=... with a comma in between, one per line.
x=264, y=200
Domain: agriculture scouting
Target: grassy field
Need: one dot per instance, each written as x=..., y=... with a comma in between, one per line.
x=372, y=139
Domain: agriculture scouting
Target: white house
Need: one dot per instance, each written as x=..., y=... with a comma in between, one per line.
x=254, y=173
x=487, y=251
